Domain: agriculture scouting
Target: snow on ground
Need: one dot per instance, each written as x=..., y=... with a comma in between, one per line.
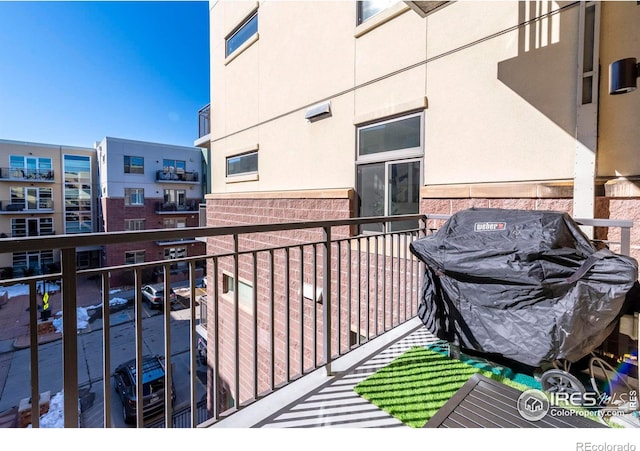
x=54, y=418
x=22, y=289
x=83, y=315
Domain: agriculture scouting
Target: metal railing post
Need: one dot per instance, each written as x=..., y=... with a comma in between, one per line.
x=326, y=297
x=69, y=337
x=625, y=241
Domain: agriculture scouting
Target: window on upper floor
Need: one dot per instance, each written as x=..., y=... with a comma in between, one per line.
x=175, y=197
x=133, y=165
x=588, y=42
x=241, y=34
x=30, y=167
x=174, y=166
x=23, y=227
x=368, y=9
x=246, y=163
x=389, y=169
x=133, y=257
x=174, y=223
x=133, y=224
x=134, y=196
x=31, y=198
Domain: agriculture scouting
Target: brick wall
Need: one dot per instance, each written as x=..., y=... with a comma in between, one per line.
x=301, y=317
x=605, y=208
x=374, y=287
x=115, y=213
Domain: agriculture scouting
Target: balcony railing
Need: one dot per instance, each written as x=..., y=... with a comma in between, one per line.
x=204, y=121
x=190, y=205
x=317, y=291
x=30, y=175
x=9, y=206
x=171, y=176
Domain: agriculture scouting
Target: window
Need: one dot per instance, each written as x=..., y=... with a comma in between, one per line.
x=245, y=292
x=174, y=166
x=133, y=257
x=30, y=198
x=175, y=197
x=78, y=194
x=133, y=165
x=172, y=253
x=133, y=224
x=30, y=167
x=589, y=91
x=368, y=9
x=174, y=223
x=37, y=261
x=23, y=227
x=134, y=196
x=241, y=34
x=242, y=164
x=389, y=169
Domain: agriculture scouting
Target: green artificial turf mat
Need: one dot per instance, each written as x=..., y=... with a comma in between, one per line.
x=419, y=382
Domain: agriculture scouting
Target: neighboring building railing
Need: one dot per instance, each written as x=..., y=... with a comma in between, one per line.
x=290, y=298
x=28, y=207
x=172, y=176
x=168, y=207
x=31, y=175
x=204, y=121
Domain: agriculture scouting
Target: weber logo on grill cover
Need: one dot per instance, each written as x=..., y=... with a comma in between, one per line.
x=489, y=226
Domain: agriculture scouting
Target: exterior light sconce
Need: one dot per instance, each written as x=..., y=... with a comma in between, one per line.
x=623, y=76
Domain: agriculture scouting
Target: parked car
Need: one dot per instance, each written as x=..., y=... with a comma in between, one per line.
x=154, y=295
x=153, y=389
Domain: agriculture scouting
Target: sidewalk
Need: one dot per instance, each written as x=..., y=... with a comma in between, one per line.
x=14, y=316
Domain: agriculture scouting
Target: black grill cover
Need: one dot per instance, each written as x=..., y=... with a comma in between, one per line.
x=526, y=285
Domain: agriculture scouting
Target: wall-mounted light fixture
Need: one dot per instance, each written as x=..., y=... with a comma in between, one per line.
x=623, y=75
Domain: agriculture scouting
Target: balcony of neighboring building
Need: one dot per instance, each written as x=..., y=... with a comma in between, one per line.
x=190, y=177
x=177, y=207
x=12, y=207
x=204, y=127
x=28, y=175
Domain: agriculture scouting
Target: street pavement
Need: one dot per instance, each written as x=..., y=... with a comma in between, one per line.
x=15, y=362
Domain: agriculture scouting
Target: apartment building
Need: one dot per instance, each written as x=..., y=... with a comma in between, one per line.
x=144, y=185
x=330, y=110
x=46, y=189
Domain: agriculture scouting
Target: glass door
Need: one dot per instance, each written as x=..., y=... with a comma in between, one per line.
x=388, y=189
x=33, y=227
x=32, y=167
x=403, y=193
x=32, y=198
x=33, y=261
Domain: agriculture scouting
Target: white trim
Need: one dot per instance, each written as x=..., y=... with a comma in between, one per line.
x=412, y=152
x=381, y=18
x=252, y=177
x=245, y=45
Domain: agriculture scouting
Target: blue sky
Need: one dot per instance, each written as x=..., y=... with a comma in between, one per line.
x=74, y=72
